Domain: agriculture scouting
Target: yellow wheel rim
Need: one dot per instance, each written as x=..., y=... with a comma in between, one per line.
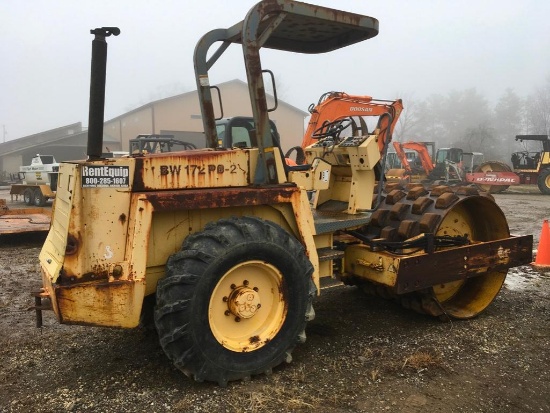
x=455, y=223
x=478, y=221
x=247, y=307
x=444, y=292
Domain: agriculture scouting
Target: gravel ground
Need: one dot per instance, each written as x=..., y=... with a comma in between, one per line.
x=363, y=354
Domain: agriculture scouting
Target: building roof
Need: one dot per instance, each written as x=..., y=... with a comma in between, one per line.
x=52, y=136
x=41, y=138
x=182, y=95
x=76, y=130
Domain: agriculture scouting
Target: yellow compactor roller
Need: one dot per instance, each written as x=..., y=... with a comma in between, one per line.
x=225, y=248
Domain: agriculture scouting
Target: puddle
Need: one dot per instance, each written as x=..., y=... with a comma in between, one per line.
x=525, y=278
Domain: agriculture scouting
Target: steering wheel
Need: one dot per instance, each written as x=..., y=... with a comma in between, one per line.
x=331, y=128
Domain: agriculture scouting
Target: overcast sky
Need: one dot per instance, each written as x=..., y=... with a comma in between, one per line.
x=423, y=47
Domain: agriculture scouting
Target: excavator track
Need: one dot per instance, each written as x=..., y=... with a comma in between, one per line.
x=407, y=211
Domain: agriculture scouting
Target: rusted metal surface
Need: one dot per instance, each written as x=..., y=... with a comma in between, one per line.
x=426, y=270
x=457, y=281
x=192, y=169
x=114, y=304
x=276, y=24
x=98, y=272
x=218, y=197
x=20, y=220
x=406, y=274
x=86, y=247
x=40, y=305
x=307, y=28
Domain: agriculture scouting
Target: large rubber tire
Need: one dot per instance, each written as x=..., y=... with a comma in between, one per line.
x=444, y=211
x=493, y=166
x=38, y=198
x=543, y=181
x=28, y=196
x=202, y=326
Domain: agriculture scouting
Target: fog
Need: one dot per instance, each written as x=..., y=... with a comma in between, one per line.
x=424, y=47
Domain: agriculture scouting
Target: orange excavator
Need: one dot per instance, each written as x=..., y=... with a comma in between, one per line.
x=428, y=166
x=423, y=151
x=337, y=111
x=449, y=166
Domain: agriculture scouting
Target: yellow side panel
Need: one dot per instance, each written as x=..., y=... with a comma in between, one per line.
x=373, y=266
x=114, y=304
x=53, y=251
x=169, y=230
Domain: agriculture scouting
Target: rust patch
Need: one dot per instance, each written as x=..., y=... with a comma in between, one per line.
x=440, y=190
x=416, y=272
x=122, y=218
x=14, y=221
x=98, y=273
x=254, y=339
x=218, y=197
x=394, y=196
x=138, y=183
x=445, y=200
x=187, y=169
x=113, y=303
x=72, y=245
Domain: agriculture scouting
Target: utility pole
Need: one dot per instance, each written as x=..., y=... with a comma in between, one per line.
x=4, y=133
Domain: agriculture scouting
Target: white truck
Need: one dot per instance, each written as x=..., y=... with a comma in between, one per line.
x=39, y=180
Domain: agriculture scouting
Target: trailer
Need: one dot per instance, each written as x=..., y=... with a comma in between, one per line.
x=39, y=181
x=22, y=220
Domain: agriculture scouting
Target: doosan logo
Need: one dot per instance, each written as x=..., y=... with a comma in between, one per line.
x=359, y=109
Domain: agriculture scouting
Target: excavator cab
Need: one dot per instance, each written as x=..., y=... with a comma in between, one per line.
x=448, y=165
x=448, y=154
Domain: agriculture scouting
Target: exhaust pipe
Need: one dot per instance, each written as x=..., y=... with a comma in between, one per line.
x=97, y=90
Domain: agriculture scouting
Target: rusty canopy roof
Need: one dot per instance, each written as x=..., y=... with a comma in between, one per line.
x=305, y=28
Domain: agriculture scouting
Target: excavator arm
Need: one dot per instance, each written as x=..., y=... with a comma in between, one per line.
x=419, y=147
x=400, y=152
x=333, y=106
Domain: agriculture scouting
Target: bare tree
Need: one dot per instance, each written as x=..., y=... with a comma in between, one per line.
x=538, y=110
x=478, y=139
x=461, y=118
x=429, y=120
x=405, y=129
x=509, y=115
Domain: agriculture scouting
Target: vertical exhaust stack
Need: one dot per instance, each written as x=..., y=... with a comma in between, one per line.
x=97, y=90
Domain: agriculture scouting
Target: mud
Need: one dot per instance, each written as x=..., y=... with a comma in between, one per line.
x=363, y=354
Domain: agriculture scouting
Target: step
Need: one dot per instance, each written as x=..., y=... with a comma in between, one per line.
x=327, y=254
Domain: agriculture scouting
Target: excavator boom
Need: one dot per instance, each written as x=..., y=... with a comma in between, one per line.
x=333, y=106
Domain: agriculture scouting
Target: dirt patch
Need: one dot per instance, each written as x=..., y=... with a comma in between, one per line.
x=363, y=354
